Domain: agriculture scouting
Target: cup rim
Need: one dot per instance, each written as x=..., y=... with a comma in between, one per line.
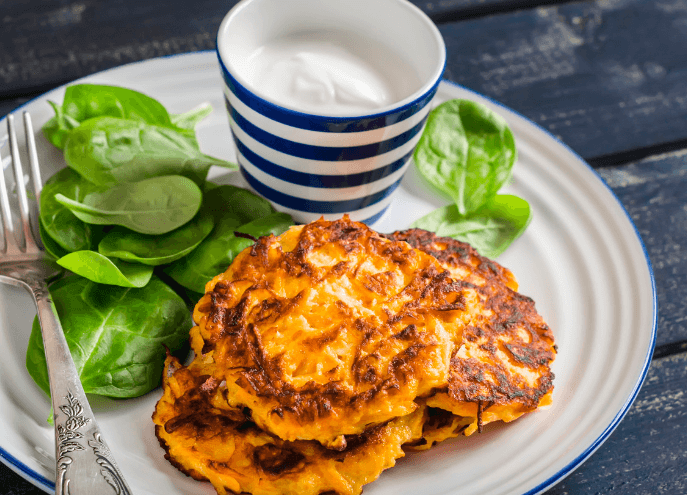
x=427, y=88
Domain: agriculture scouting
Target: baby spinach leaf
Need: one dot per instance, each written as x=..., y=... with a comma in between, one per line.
x=58, y=222
x=109, y=150
x=49, y=244
x=232, y=208
x=152, y=206
x=116, y=335
x=157, y=250
x=98, y=268
x=466, y=151
x=189, y=120
x=57, y=129
x=86, y=101
x=190, y=297
x=490, y=230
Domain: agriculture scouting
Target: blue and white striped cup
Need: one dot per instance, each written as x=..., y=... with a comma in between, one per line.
x=310, y=164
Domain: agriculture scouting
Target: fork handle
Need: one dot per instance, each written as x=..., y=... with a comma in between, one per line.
x=85, y=465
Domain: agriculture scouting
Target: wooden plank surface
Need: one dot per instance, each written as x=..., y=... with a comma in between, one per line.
x=582, y=70
x=451, y=10
x=46, y=44
x=10, y=105
x=11, y=484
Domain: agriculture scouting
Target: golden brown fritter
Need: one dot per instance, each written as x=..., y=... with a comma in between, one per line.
x=226, y=448
x=330, y=328
x=502, y=369
x=319, y=353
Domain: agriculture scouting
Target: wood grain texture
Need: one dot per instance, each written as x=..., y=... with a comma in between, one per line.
x=12, y=484
x=441, y=11
x=44, y=44
x=11, y=104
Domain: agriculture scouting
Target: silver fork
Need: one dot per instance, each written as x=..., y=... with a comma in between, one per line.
x=84, y=463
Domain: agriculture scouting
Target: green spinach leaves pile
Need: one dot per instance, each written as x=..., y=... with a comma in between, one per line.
x=467, y=152
x=140, y=231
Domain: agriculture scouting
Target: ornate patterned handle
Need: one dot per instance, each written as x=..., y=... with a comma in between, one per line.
x=85, y=465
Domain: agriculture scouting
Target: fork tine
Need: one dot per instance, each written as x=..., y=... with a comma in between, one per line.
x=33, y=156
x=35, y=173
x=21, y=188
x=8, y=227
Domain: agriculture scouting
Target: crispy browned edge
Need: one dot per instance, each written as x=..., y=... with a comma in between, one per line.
x=510, y=307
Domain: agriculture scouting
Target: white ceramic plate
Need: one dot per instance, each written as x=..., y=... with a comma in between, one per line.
x=581, y=260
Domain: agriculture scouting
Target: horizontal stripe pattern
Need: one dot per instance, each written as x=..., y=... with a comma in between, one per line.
x=320, y=166
x=326, y=153
x=320, y=180
x=319, y=123
x=319, y=193
x=311, y=166
x=322, y=138
x=311, y=206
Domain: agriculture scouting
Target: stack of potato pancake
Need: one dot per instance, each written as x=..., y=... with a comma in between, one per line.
x=321, y=354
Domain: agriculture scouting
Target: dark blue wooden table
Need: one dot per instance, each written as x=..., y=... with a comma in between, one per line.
x=608, y=77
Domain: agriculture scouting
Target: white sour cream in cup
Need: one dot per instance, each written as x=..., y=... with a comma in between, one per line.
x=329, y=73
x=327, y=99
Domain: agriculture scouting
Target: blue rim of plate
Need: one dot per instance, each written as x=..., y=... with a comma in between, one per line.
x=42, y=482
x=26, y=472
